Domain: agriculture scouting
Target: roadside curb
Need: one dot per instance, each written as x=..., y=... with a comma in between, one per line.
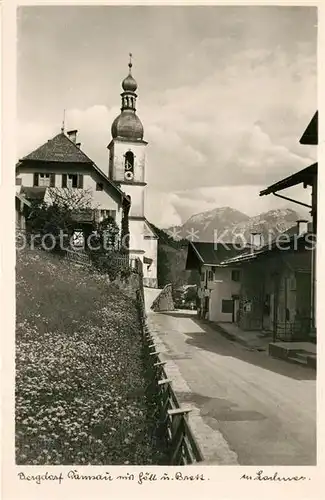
x=228, y=335
x=213, y=445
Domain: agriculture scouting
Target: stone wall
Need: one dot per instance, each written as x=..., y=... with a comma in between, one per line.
x=164, y=301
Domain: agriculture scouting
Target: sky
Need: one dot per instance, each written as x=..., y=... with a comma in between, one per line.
x=225, y=94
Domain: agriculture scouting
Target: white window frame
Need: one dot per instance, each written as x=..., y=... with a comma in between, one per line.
x=44, y=180
x=70, y=181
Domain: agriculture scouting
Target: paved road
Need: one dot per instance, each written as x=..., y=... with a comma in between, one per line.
x=264, y=409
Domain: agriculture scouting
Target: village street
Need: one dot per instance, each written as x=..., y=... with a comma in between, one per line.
x=255, y=410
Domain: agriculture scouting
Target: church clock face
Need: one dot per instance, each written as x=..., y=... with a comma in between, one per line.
x=128, y=175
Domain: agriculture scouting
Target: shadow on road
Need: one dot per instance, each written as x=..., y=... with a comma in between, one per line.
x=211, y=340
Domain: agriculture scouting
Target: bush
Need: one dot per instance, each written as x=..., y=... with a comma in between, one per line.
x=80, y=385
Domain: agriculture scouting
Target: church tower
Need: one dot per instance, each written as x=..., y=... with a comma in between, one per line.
x=127, y=169
x=127, y=148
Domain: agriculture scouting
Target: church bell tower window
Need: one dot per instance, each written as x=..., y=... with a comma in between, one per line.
x=129, y=166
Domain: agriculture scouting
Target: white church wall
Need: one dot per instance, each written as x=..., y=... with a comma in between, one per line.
x=120, y=148
x=137, y=199
x=136, y=235
x=150, y=247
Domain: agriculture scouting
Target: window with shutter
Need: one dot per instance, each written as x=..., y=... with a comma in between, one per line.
x=80, y=181
x=52, y=180
x=44, y=180
x=111, y=213
x=73, y=181
x=64, y=180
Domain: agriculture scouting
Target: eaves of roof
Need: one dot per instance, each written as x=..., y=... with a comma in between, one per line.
x=310, y=136
x=253, y=254
x=304, y=176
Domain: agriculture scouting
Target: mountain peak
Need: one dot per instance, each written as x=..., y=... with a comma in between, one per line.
x=228, y=222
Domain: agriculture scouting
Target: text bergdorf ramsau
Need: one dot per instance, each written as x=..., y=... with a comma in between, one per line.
x=140, y=478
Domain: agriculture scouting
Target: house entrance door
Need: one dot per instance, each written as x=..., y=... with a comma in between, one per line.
x=235, y=311
x=206, y=307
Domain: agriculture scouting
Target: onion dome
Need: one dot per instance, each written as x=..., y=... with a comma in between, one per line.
x=127, y=126
x=129, y=84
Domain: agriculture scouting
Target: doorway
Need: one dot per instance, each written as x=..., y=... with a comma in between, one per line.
x=235, y=309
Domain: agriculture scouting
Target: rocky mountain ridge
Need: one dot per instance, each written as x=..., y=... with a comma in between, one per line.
x=230, y=224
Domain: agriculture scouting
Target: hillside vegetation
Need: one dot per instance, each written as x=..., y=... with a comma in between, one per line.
x=172, y=261
x=80, y=386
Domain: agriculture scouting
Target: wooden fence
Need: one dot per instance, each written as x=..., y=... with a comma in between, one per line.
x=298, y=330
x=78, y=256
x=173, y=429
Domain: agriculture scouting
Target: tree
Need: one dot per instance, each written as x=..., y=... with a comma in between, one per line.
x=60, y=213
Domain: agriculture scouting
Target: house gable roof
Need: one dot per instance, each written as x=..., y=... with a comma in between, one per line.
x=209, y=253
x=58, y=149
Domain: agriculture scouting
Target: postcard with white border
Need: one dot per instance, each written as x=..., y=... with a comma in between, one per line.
x=162, y=307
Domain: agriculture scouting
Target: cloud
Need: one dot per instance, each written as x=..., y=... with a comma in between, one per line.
x=223, y=114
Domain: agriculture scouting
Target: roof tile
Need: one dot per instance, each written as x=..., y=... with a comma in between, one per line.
x=58, y=149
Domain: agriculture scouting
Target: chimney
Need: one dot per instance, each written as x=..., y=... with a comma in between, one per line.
x=256, y=240
x=78, y=145
x=72, y=134
x=302, y=226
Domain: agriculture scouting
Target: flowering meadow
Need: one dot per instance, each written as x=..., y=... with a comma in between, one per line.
x=80, y=386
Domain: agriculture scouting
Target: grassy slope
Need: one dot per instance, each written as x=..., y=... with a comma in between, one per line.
x=79, y=372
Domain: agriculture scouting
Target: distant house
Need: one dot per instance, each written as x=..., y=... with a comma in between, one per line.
x=275, y=285
x=21, y=205
x=218, y=285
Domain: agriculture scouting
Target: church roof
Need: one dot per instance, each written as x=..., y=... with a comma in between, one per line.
x=149, y=232
x=127, y=125
x=129, y=84
x=58, y=149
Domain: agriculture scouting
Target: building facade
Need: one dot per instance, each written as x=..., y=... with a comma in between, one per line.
x=275, y=286
x=265, y=289
x=218, y=287
x=308, y=177
x=60, y=167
